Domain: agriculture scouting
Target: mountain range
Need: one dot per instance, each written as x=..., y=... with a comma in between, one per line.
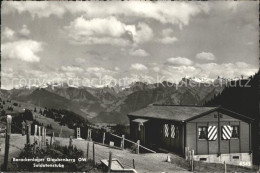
x=112, y=104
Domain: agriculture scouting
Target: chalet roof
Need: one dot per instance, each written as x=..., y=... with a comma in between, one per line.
x=172, y=112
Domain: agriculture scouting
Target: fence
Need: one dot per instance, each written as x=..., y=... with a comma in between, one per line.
x=116, y=141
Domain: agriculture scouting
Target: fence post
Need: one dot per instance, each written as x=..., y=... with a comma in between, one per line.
x=123, y=142
x=43, y=135
x=137, y=148
x=28, y=134
x=51, y=140
x=87, y=150
x=34, y=138
x=90, y=134
x=225, y=167
x=186, y=153
x=7, y=141
x=45, y=131
x=134, y=163
x=40, y=141
x=60, y=132
x=70, y=142
x=94, y=154
x=23, y=128
x=192, y=160
x=109, y=161
x=104, y=137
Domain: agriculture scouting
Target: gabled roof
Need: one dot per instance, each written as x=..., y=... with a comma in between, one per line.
x=182, y=112
x=172, y=112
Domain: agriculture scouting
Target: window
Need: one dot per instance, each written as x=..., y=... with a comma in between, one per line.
x=230, y=132
x=166, y=130
x=235, y=132
x=202, y=132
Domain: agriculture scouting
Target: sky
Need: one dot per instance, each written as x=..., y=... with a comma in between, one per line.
x=99, y=42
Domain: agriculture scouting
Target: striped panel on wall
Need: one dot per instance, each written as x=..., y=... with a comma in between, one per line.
x=172, y=131
x=212, y=133
x=226, y=132
x=166, y=130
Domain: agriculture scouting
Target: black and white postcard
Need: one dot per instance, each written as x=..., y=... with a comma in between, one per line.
x=129, y=86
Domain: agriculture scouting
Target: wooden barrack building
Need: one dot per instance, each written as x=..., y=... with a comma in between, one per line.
x=215, y=134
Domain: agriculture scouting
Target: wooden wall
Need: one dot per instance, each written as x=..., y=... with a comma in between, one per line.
x=240, y=145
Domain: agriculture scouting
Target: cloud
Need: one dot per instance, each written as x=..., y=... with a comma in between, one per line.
x=167, y=37
x=99, y=71
x=80, y=60
x=179, y=61
x=167, y=32
x=24, y=50
x=71, y=69
x=25, y=31
x=8, y=33
x=179, y=13
x=206, y=56
x=143, y=33
x=139, y=67
x=227, y=70
x=42, y=9
x=249, y=43
x=107, y=31
x=97, y=31
x=156, y=69
x=139, y=52
x=168, y=40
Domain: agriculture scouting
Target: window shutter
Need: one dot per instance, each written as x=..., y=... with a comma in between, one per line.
x=166, y=130
x=212, y=133
x=226, y=132
x=172, y=131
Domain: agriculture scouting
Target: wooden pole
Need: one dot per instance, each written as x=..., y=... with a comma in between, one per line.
x=28, y=134
x=123, y=142
x=45, y=131
x=87, y=150
x=53, y=137
x=109, y=161
x=190, y=158
x=70, y=143
x=7, y=141
x=34, y=138
x=187, y=153
x=23, y=128
x=137, y=148
x=51, y=141
x=225, y=167
x=94, y=154
x=40, y=137
x=104, y=137
x=192, y=161
x=134, y=163
x=60, y=132
x=90, y=134
x=43, y=135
